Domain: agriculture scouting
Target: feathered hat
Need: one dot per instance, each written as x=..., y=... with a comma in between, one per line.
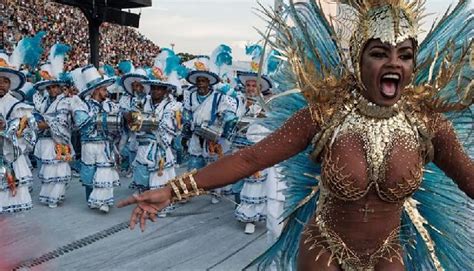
x=52, y=72
x=200, y=68
x=169, y=70
x=269, y=66
x=17, y=79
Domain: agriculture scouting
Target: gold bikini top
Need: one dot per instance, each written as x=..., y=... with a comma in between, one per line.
x=380, y=131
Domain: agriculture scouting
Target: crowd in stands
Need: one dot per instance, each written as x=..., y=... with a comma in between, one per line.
x=68, y=25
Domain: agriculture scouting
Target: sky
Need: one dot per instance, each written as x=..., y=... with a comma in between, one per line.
x=199, y=26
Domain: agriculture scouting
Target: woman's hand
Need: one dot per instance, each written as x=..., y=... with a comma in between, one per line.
x=148, y=204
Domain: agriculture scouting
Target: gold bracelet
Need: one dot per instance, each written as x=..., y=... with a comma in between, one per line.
x=175, y=189
x=194, y=184
x=183, y=186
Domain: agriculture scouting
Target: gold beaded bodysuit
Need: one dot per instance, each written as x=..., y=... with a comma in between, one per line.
x=370, y=136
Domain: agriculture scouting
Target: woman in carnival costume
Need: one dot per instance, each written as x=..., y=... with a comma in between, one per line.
x=385, y=133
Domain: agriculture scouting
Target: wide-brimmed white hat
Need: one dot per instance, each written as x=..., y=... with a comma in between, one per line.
x=48, y=78
x=138, y=75
x=265, y=82
x=17, y=80
x=93, y=80
x=171, y=87
x=201, y=68
x=193, y=76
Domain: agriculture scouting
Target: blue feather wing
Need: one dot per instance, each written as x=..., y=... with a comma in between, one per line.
x=299, y=175
x=315, y=33
x=447, y=212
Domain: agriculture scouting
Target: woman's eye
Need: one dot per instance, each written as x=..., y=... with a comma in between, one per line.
x=378, y=54
x=406, y=57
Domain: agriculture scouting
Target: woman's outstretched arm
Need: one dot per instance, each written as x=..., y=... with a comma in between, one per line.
x=450, y=157
x=292, y=138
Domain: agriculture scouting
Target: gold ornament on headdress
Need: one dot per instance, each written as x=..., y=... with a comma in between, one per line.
x=3, y=63
x=45, y=75
x=255, y=66
x=200, y=66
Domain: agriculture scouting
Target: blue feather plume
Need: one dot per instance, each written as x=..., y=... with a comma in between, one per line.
x=28, y=51
x=125, y=66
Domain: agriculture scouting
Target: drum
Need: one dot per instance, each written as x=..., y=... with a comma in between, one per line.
x=109, y=123
x=143, y=122
x=212, y=133
x=244, y=123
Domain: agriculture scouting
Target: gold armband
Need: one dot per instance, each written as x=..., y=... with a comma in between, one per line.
x=180, y=187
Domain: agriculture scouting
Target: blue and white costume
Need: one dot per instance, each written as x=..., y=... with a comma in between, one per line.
x=97, y=160
x=55, y=171
x=54, y=150
x=130, y=102
x=13, y=154
x=155, y=164
x=260, y=197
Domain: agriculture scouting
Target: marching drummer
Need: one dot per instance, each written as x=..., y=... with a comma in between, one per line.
x=155, y=164
x=133, y=101
x=98, y=173
x=209, y=115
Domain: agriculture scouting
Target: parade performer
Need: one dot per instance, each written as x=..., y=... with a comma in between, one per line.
x=98, y=172
x=54, y=150
x=17, y=137
x=133, y=101
x=168, y=68
x=155, y=164
x=209, y=114
x=253, y=195
x=385, y=133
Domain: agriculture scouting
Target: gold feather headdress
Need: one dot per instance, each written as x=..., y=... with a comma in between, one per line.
x=391, y=21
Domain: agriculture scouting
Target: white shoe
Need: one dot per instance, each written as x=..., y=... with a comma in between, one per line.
x=53, y=205
x=104, y=208
x=249, y=228
x=215, y=200
x=161, y=214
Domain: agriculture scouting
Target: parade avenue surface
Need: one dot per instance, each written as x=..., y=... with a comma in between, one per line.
x=169, y=244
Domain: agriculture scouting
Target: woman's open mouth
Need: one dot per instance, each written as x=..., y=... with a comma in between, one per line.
x=389, y=84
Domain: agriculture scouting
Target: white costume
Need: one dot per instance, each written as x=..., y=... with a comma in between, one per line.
x=97, y=156
x=154, y=164
x=13, y=152
x=54, y=149
x=207, y=110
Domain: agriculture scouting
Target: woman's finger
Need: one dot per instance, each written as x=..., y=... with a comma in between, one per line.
x=127, y=201
x=152, y=217
x=143, y=218
x=134, y=217
x=150, y=208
